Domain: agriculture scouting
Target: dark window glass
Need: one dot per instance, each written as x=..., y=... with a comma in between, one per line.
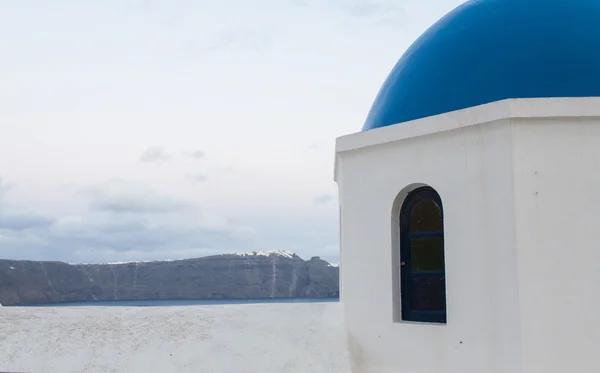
x=427, y=254
x=426, y=216
x=423, y=273
x=428, y=293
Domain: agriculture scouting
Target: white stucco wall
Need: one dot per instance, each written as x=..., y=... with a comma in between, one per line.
x=557, y=184
x=261, y=338
x=479, y=160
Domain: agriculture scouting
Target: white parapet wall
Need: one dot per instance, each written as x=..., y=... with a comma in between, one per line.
x=261, y=338
x=518, y=181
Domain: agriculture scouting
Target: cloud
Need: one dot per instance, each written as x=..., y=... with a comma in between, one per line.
x=154, y=154
x=96, y=236
x=314, y=147
x=378, y=12
x=227, y=169
x=371, y=8
x=241, y=38
x=299, y=3
x=121, y=220
x=119, y=225
x=129, y=203
x=199, y=178
x=196, y=154
x=121, y=197
x=140, y=5
x=4, y=186
x=382, y=13
x=20, y=222
x=322, y=199
x=173, y=21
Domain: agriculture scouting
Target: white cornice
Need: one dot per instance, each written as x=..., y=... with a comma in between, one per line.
x=512, y=108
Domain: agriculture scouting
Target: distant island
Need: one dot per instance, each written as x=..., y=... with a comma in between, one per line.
x=252, y=275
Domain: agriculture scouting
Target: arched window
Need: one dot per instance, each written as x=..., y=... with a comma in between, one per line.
x=422, y=267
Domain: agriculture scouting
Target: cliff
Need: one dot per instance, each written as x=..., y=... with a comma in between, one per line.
x=250, y=275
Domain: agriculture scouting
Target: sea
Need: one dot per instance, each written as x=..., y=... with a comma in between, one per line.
x=186, y=302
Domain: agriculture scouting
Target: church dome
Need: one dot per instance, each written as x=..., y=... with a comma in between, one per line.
x=490, y=50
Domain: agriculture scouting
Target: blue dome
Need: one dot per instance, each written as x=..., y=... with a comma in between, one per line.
x=490, y=50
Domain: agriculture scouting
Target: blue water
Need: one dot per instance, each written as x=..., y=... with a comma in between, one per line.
x=163, y=303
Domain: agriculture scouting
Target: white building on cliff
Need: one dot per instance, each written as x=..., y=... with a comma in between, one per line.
x=470, y=229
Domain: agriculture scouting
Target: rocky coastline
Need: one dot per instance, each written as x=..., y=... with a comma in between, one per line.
x=258, y=274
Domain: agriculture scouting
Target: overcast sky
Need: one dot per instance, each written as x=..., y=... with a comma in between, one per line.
x=155, y=129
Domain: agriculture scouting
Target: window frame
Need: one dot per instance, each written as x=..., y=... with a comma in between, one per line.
x=405, y=258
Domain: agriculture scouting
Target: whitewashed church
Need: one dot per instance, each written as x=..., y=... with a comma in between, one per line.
x=470, y=201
